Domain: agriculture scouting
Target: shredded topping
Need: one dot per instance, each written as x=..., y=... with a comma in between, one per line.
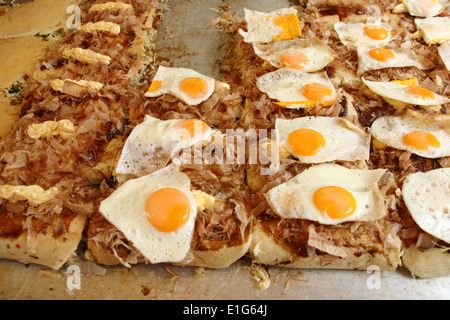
x=321, y=242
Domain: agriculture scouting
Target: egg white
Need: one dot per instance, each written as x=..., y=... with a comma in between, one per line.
x=396, y=91
x=171, y=78
x=444, y=53
x=353, y=33
x=426, y=196
x=285, y=85
x=125, y=209
x=416, y=7
x=344, y=140
x=318, y=53
x=391, y=129
x=152, y=144
x=403, y=58
x=261, y=26
x=294, y=198
x=434, y=30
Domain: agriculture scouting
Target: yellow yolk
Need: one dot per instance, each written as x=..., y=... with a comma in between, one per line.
x=421, y=140
x=194, y=87
x=411, y=82
x=306, y=142
x=290, y=25
x=317, y=92
x=167, y=209
x=192, y=127
x=420, y=92
x=381, y=54
x=376, y=32
x=294, y=59
x=156, y=84
x=336, y=202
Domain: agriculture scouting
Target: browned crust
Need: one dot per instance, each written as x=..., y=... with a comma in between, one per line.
x=45, y=247
x=49, y=234
x=267, y=249
x=214, y=254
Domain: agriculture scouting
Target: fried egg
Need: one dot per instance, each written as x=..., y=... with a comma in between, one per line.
x=323, y=139
x=409, y=93
x=444, y=53
x=426, y=196
x=308, y=55
x=156, y=212
x=154, y=142
x=185, y=84
x=296, y=89
x=282, y=24
x=330, y=194
x=374, y=58
x=434, y=30
x=375, y=34
x=425, y=8
x=424, y=136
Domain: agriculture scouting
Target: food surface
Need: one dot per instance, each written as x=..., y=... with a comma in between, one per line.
x=324, y=144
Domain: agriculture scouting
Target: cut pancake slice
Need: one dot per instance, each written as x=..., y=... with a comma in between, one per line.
x=425, y=195
x=221, y=234
x=268, y=249
x=428, y=263
x=317, y=241
x=221, y=106
x=51, y=243
x=66, y=138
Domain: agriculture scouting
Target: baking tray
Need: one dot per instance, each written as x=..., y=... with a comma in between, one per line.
x=184, y=39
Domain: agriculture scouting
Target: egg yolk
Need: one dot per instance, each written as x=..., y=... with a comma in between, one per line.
x=290, y=25
x=420, y=92
x=411, y=82
x=317, y=92
x=306, y=142
x=336, y=202
x=381, y=54
x=156, y=84
x=167, y=209
x=191, y=128
x=194, y=87
x=421, y=140
x=294, y=59
x=376, y=32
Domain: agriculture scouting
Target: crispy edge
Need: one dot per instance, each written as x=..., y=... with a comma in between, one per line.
x=429, y=263
x=265, y=250
x=44, y=248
